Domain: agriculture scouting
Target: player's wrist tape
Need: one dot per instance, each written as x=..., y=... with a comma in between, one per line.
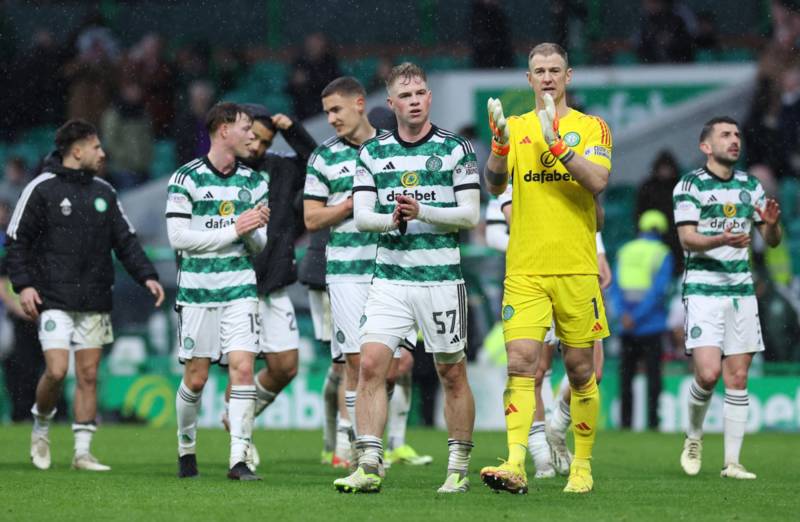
x=496, y=178
x=499, y=149
x=560, y=150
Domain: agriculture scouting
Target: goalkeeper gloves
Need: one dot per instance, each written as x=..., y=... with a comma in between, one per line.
x=499, y=127
x=549, y=120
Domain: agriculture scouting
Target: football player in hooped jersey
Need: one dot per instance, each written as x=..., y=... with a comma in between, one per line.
x=426, y=179
x=716, y=207
x=350, y=259
x=560, y=159
x=216, y=218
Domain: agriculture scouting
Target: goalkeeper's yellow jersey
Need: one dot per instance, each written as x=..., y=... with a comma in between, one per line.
x=553, y=221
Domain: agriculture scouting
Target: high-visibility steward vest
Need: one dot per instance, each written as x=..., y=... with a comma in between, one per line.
x=638, y=262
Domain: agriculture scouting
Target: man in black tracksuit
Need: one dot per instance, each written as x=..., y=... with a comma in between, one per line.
x=275, y=265
x=60, y=239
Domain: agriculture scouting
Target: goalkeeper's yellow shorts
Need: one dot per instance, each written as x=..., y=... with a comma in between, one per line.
x=530, y=303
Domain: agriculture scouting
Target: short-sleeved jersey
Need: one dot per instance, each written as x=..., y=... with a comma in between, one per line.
x=553, y=221
x=712, y=203
x=431, y=170
x=212, y=201
x=350, y=254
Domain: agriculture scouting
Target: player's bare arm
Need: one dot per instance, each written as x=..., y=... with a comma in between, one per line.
x=770, y=229
x=693, y=241
x=317, y=215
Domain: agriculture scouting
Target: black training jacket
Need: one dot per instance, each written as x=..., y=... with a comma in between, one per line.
x=60, y=239
x=275, y=266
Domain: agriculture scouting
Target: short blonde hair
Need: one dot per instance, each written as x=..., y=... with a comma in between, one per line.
x=406, y=71
x=546, y=49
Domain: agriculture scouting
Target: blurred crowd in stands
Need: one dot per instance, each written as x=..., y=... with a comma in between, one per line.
x=157, y=89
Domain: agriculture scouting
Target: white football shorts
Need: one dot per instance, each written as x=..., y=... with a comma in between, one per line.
x=728, y=323
x=212, y=332
x=63, y=330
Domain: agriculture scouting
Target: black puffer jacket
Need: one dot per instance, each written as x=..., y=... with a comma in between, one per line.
x=62, y=233
x=275, y=265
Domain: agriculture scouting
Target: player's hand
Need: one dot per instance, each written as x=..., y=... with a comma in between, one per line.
x=29, y=300
x=499, y=127
x=735, y=240
x=771, y=212
x=347, y=204
x=548, y=118
x=263, y=213
x=409, y=207
x=249, y=221
x=156, y=289
x=282, y=121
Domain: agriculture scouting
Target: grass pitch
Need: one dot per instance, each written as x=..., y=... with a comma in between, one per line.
x=637, y=477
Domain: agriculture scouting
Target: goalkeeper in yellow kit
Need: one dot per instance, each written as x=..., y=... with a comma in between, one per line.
x=558, y=159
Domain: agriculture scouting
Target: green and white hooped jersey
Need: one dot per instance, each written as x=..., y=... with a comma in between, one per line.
x=212, y=201
x=350, y=254
x=713, y=204
x=430, y=170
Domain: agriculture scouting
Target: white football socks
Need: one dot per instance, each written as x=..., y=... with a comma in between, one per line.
x=242, y=408
x=187, y=406
x=734, y=413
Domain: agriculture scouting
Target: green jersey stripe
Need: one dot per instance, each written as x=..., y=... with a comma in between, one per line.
x=713, y=265
x=210, y=207
x=216, y=295
x=686, y=197
x=431, y=148
x=718, y=290
x=208, y=180
x=423, y=241
x=178, y=189
x=393, y=179
x=419, y=274
x=199, y=265
x=350, y=267
x=352, y=239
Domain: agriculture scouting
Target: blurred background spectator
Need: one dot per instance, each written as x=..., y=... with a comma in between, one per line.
x=191, y=136
x=311, y=71
x=639, y=294
x=490, y=33
x=655, y=193
x=664, y=35
x=128, y=137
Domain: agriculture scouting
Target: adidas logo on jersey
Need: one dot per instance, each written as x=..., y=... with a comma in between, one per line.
x=455, y=339
x=389, y=166
x=208, y=195
x=525, y=141
x=712, y=199
x=344, y=170
x=597, y=327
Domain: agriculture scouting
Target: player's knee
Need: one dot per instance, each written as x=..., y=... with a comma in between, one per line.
x=521, y=362
x=87, y=377
x=737, y=379
x=371, y=369
x=707, y=377
x=56, y=373
x=580, y=372
x=196, y=381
